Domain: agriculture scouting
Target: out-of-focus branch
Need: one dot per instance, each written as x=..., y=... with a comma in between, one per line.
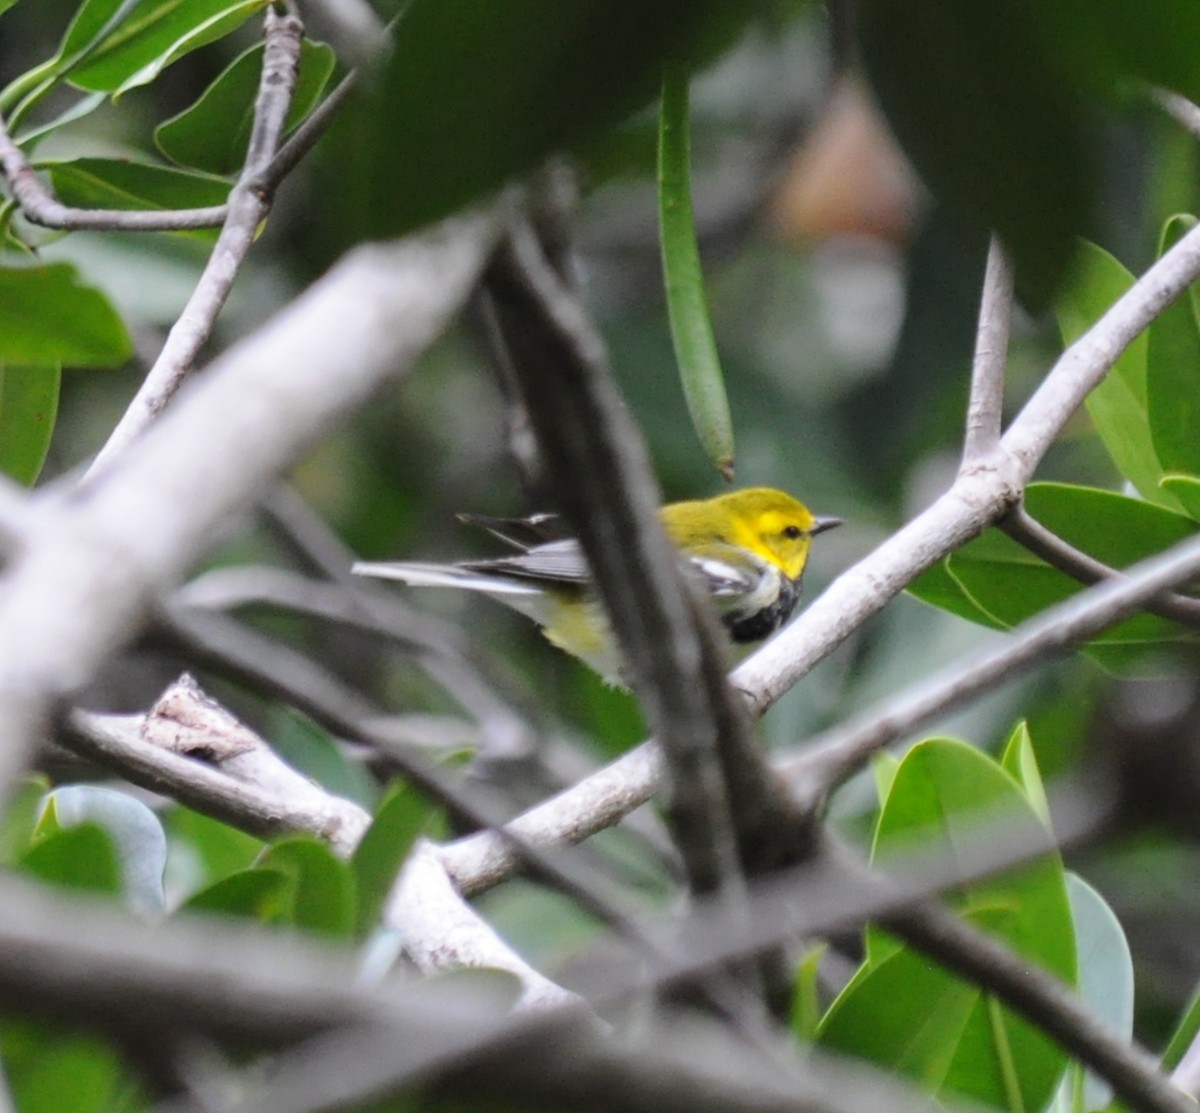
x=248, y=207
x=90, y=564
x=722, y=799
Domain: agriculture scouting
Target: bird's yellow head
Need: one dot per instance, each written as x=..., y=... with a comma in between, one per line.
x=769, y=523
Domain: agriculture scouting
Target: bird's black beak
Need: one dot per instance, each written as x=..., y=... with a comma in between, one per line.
x=820, y=525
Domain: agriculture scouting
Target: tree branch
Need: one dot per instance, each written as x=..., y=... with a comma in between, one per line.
x=986, y=404
x=90, y=564
x=248, y=207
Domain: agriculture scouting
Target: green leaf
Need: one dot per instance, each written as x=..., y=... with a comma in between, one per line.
x=153, y=34
x=996, y=575
x=1118, y=404
x=323, y=898
x=135, y=831
x=75, y=1073
x=1105, y=978
x=376, y=861
x=687, y=305
x=1184, y=1035
x=205, y=849
x=79, y=858
x=475, y=92
x=1185, y=489
x=981, y=106
x=48, y=317
x=937, y=587
x=20, y=817
x=883, y=768
x=111, y=183
x=906, y=1013
x=214, y=133
x=28, y=410
x=304, y=744
x=257, y=894
x=1173, y=372
x=1019, y=762
x=806, y=1001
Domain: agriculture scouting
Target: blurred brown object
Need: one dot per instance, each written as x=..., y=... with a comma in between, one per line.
x=847, y=178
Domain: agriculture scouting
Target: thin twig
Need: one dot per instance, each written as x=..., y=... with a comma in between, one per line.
x=986, y=403
x=39, y=205
x=1026, y=530
x=247, y=208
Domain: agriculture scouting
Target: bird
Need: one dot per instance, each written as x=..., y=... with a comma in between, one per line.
x=748, y=548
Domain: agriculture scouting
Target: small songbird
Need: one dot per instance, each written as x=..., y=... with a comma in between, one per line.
x=748, y=548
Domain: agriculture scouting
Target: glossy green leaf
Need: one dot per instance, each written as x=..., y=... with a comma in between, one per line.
x=47, y=316
x=257, y=894
x=323, y=897
x=135, y=831
x=1118, y=405
x=110, y=183
x=153, y=34
x=997, y=576
x=937, y=587
x=1185, y=489
x=687, y=303
x=78, y=858
x=1173, y=372
x=475, y=92
x=213, y=134
x=984, y=110
x=6, y=4
x=906, y=1013
x=28, y=410
x=399, y=820
x=1105, y=980
x=1019, y=762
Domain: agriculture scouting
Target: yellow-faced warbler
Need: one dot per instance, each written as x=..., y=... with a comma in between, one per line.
x=748, y=548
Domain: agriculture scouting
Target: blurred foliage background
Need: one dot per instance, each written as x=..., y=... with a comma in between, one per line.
x=844, y=301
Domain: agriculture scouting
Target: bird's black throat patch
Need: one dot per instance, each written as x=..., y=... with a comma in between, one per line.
x=761, y=624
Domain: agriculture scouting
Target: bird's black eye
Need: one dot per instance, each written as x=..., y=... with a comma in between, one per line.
x=793, y=532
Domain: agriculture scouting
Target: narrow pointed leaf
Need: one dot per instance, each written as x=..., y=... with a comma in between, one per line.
x=687, y=304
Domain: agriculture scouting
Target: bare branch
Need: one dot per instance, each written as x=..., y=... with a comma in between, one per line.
x=986, y=404
x=39, y=204
x=248, y=206
x=197, y=753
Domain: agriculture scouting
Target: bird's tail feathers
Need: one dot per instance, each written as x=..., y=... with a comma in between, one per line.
x=443, y=575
